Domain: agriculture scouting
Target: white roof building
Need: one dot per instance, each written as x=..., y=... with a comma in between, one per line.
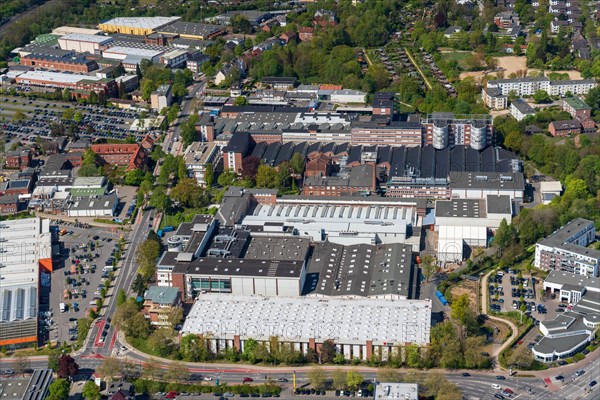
x=54, y=77
x=122, y=52
x=356, y=326
x=150, y=23
x=67, y=30
x=342, y=224
x=396, y=391
x=23, y=243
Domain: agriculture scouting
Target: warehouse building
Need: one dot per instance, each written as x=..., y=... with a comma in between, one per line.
x=82, y=85
x=192, y=30
x=25, y=249
x=344, y=224
x=566, y=249
x=362, y=270
x=84, y=43
x=67, y=30
x=570, y=287
x=92, y=206
x=464, y=223
x=77, y=64
x=136, y=25
x=33, y=387
x=359, y=328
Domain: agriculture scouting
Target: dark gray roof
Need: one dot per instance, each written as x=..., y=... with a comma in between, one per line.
x=278, y=249
x=460, y=208
x=485, y=180
x=240, y=267
x=560, y=345
x=190, y=28
x=523, y=107
x=562, y=238
x=361, y=270
x=499, y=204
x=239, y=143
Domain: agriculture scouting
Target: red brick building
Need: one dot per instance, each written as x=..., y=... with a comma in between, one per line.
x=564, y=128
x=305, y=33
x=19, y=159
x=132, y=156
x=9, y=204
x=71, y=64
x=318, y=166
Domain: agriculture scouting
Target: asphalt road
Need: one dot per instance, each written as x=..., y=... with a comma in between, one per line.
x=173, y=137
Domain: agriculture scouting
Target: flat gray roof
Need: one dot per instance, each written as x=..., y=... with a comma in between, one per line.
x=462, y=208
x=499, y=204
x=562, y=277
x=162, y=295
x=487, y=180
x=361, y=270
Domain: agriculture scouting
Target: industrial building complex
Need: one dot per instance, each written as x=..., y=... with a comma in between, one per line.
x=25, y=253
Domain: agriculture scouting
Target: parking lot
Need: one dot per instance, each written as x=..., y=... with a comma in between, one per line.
x=97, y=121
x=82, y=250
x=508, y=292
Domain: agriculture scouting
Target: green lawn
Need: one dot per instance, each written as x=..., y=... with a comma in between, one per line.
x=459, y=56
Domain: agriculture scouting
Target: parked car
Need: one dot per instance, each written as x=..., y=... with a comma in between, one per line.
x=500, y=377
x=172, y=394
x=247, y=380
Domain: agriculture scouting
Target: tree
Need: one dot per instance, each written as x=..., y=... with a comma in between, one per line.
x=240, y=101
x=593, y=98
x=266, y=177
x=250, y=166
x=339, y=379
x=159, y=199
x=354, y=379
x=327, y=351
x=174, y=316
x=78, y=117
x=227, y=178
x=144, y=65
x=177, y=372
x=160, y=341
x=110, y=369
x=194, y=348
x=146, y=257
x=297, y=164
x=53, y=361
x=505, y=235
x=428, y=266
x=541, y=96
x=134, y=177
x=21, y=362
x=121, y=297
x=317, y=377
x=67, y=367
x=91, y=391
x=461, y=311
x=59, y=390
x=209, y=175
x=66, y=94
x=522, y=357
x=19, y=116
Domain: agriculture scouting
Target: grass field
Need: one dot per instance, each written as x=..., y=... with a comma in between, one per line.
x=458, y=56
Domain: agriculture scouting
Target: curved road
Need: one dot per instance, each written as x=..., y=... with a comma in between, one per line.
x=484, y=308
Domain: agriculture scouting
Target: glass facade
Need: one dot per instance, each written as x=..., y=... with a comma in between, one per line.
x=210, y=285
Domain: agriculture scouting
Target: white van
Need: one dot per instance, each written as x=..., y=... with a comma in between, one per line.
x=63, y=307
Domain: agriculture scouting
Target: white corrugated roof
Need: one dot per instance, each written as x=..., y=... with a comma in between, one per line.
x=141, y=22
x=297, y=319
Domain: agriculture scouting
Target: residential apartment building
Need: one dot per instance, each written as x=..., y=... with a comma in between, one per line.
x=566, y=249
x=564, y=128
x=159, y=303
x=447, y=129
x=161, y=98
x=528, y=86
x=198, y=156
x=520, y=109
